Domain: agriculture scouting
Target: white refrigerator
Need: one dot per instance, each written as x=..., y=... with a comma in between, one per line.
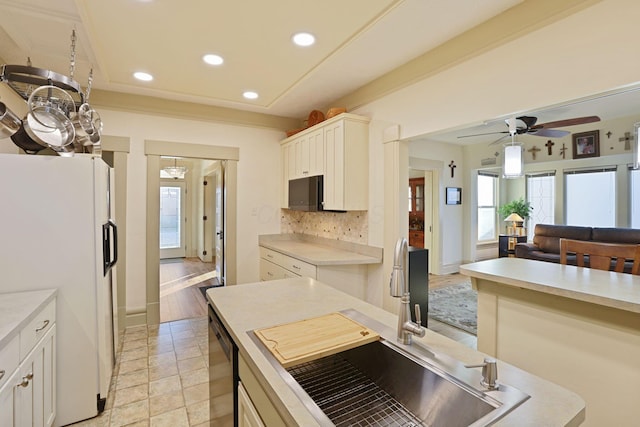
x=56, y=232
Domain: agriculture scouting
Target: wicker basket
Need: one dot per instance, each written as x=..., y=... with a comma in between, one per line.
x=335, y=111
x=315, y=117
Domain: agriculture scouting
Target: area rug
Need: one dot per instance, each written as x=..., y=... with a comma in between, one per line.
x=455, y=305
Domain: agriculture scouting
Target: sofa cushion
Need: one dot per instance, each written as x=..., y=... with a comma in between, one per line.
x=616, y=235
x=547, y=237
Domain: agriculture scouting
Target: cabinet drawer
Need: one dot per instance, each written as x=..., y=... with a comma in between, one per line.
x=270, y=255
x=36, y=329
x=271, y=271
x=9, y=359
x=299, y=267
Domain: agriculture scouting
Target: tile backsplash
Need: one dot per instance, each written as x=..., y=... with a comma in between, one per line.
x=351, y=226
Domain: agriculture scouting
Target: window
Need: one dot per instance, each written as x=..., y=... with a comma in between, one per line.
x=170, y=217
x=634, y=199
x=541, y=196
x=590, y=197
x=487, y=206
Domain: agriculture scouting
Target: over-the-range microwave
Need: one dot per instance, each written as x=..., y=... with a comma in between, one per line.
x=305, y=194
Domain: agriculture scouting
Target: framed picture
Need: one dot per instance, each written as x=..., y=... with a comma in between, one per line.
x=454, y=195
x=586, y=144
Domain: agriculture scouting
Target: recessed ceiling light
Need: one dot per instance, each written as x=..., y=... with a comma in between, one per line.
x=212, y=59
x=145, y=77
x=250, y=94
x=304, y=39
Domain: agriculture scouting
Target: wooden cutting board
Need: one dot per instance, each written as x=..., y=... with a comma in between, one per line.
x=310, y=339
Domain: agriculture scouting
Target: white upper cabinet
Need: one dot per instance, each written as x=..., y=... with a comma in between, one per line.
x=338, y=149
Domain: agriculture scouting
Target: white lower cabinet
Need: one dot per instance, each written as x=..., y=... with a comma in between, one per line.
x=247, y=414
x=349, y=278
x=27, y=397
x=275, y=265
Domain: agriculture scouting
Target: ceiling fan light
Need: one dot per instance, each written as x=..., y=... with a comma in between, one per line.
x=512, y=160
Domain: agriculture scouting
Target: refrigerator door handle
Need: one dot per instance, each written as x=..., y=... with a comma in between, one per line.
x=115, y=242
x=109, y=262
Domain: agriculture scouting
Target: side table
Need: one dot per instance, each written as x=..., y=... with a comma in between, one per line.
x=507, y=244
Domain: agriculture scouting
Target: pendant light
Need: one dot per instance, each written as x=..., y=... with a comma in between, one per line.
x=175, y=171
x=512, y=159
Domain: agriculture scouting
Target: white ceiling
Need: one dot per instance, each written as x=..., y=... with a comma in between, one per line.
x=357, y=41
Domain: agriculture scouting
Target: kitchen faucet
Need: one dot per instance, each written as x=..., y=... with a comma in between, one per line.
x=400, y=289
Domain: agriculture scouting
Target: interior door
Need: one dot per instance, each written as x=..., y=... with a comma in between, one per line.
x=207, y=251
x=218, y=238
x=428, y=214
x=172, y=219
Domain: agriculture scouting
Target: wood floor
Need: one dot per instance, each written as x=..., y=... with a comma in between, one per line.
x=181, y=298
x=180, y=280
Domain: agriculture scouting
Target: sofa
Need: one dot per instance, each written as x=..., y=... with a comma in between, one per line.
x=546, y=240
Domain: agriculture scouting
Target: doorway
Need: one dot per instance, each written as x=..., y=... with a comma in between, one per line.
x=191, y=258
x=189, y=269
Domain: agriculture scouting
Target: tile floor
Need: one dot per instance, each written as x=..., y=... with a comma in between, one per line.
x=161, y=377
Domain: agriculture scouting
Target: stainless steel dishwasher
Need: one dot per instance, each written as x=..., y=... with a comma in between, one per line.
x=223, y=374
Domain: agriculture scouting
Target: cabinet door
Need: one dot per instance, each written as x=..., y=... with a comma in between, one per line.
x=25, y=399
x=7, y=407
x=302, y=156
x=247, y=414
x=48, y=378
x=316, y=152
x=334, y=166
x=34, y=391
x=286, y=174
x=289, y=151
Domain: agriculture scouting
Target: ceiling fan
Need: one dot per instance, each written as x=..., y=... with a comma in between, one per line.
x=527, y=125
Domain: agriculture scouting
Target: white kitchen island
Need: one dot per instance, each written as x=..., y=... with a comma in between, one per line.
x=246, y=307
x=577, y=327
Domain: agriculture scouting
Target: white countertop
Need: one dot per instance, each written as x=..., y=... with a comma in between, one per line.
x=606, y=288
x=318, y=251
x=17, y=309
x=247, y=307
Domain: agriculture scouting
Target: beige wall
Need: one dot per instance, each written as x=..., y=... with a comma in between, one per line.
x=258, y=185
x=554, y=64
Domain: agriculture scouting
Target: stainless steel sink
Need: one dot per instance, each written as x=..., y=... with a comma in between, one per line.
x=389, y=384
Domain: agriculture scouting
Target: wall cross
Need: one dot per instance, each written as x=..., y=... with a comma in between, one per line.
x=549, y=144
x=563, y=150
x=627, y=140
x=533, y=150
x=453, y=167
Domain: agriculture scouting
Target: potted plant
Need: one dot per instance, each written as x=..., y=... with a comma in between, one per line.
x=519, y=206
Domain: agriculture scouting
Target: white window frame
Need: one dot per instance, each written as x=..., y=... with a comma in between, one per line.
x=602, y=169
x=531, y=223
x=634, y=198
x=496, y=178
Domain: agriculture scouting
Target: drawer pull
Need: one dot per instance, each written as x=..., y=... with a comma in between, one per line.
x=269, y=256
x=295, y=266
x=45, y=324
x=269, y=273
x=1, y=373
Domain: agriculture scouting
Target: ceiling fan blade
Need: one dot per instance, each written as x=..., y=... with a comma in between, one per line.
x=498, y=140
x=481, y=134
x=567, y=122
x=550, y=133
x=528, y=120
